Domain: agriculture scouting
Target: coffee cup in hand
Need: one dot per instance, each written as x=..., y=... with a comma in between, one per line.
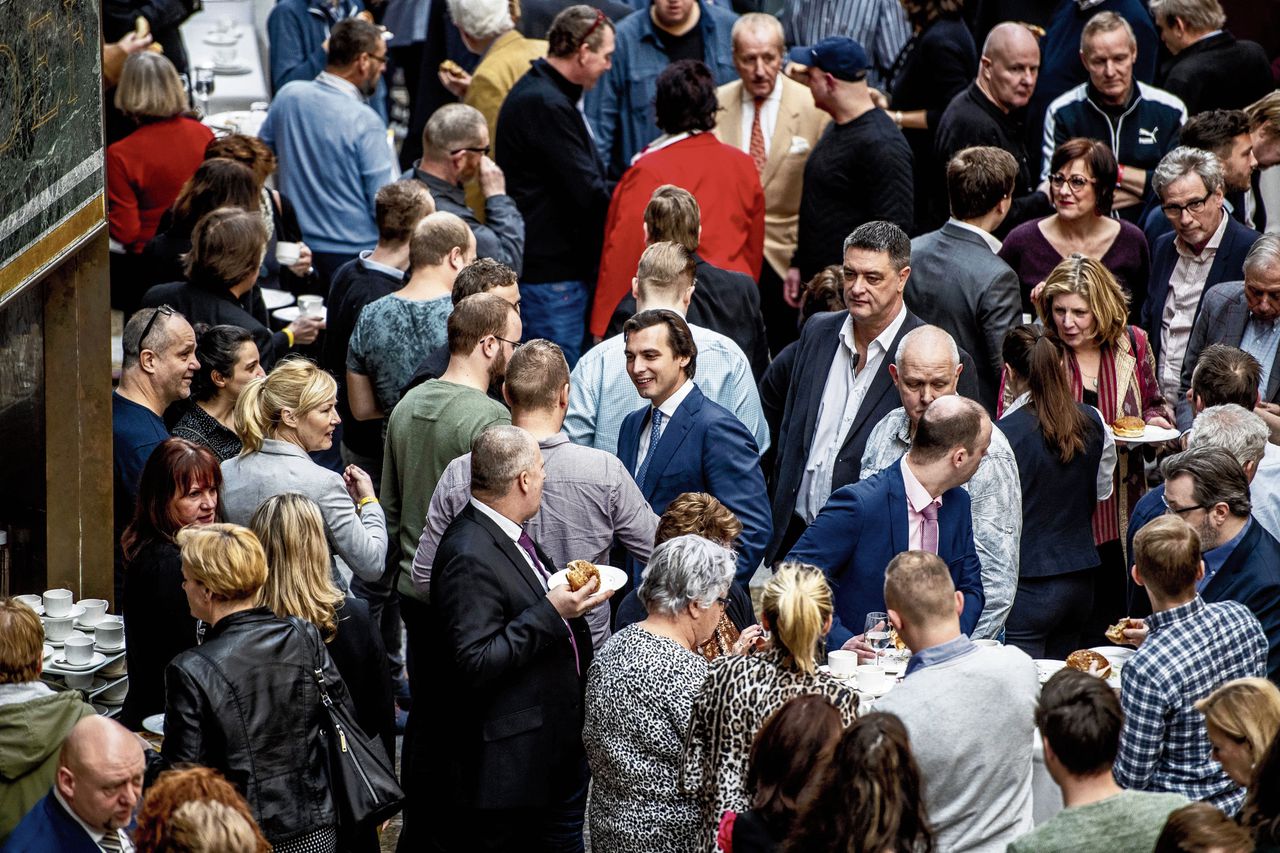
x=288, y=254
x=310, y=305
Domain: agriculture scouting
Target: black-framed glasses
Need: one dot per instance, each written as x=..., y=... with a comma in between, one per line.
x=1076, y=182
x=515, y=345
x=382, y=59
x=1179, y=512
x=165, y=310
x=483, y=151
x=1173, y=211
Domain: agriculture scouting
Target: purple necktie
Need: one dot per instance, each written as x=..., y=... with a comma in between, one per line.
x=929, y=528
x=526, y=542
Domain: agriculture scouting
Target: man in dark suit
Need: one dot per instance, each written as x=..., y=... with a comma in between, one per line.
x=97, y=786
x=1207, y=248
x=958, y=281
x=1209, y=69
x=511, y=659
x=682, y=441
x=916, y=505
x=840, y=384
x=1241, y=314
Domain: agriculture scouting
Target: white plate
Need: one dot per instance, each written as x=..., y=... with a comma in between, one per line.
x=57, y=644
x=154, y=724
x=75, y=613
x=875, y=694
x=60, y=661
x=1150, y=435
x=231, y=70
x=110, y=650
x=222, y=39
x=288, y=315
x=1045, y=668
x=274, y=299
x=610, y=578
x=48, y=651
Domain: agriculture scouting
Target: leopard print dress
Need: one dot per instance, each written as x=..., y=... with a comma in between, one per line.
x=740, y=693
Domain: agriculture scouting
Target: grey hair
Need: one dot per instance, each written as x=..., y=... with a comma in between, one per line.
x=1105, y=22
x=684, y=570
x=1198, y=15
x=1218, y=477
x=758, y=22
x=926, y=336
x=451, y=127
x=1265, y=253
x=482, y=19
x=1233, y=428
x=881, y=236
x=498, y=455
x=159, y=335
x=1184, y=160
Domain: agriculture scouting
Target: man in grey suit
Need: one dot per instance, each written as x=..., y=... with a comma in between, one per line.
x=1242, y=314
x=957, y=281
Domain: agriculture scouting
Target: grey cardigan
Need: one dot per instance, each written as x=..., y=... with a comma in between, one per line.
x=360, y=539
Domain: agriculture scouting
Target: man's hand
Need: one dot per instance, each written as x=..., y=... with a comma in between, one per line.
x=1136, y=632
x=457, y=84
x=571, y=605
x=492, y=181
x=859, y=644
x=303, y=267
x=132, y=42
x=306, y=329
x=791, y=287
x=878, y=98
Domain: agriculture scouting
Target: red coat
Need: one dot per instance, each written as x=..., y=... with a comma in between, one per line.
x=145, y=171
x=724, y=181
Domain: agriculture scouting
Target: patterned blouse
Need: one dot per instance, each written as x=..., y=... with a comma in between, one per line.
x=639, y=691
x=740, y=693
x=197, y=425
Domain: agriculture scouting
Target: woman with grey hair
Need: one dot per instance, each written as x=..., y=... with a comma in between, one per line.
x=640, y=691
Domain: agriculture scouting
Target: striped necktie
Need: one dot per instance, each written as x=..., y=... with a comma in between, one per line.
x=655, y=433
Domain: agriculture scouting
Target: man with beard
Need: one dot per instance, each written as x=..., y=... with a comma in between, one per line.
x=332, y=147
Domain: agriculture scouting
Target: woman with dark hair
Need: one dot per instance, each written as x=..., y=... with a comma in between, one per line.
x=1082, y=183
x=1054, y=440
x=180, y=486
x=788, y=758
x=228, y=360
x=221, y=270
x=1201, y=828
x=724, y=180
x=871, y=796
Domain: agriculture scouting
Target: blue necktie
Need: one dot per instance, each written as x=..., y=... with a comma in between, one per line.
x=655, y=433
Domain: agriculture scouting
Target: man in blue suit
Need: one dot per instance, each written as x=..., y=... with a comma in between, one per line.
x=683, y=442
x=916, y=505
x=97, y=786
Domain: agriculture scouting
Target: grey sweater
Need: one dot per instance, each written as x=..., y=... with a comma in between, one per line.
x=971, y=724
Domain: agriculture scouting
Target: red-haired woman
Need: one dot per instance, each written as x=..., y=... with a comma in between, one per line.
x=180, y=486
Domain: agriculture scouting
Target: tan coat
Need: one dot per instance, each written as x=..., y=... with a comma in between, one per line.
x=505, y=62
x=800, y=123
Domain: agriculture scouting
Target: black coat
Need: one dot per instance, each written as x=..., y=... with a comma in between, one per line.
x=1218, y=73
x=356, y=649
x=158, y=626
x=1251, y=576
x=214, y=309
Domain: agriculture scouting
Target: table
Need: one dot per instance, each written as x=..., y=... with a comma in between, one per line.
x=231, y=92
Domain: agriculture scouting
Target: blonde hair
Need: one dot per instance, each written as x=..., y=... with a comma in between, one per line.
x=299, y=582
x=149, y=88
x=21, y=642
x=1247, y=710
x=797, y=603
x=665, y=267
x=294, y=383
x=208, y=826
x=226, y=558
x=1091, y=281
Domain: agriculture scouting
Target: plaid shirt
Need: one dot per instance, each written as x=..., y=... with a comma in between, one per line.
x=1190, y=651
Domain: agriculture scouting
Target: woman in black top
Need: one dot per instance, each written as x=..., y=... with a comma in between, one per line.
x=179, y=487
x=1056, y=441
x=228, y=360
x=216, y=183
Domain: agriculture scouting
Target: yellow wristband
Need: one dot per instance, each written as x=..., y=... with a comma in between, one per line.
x=363, y=501
x=288, y=333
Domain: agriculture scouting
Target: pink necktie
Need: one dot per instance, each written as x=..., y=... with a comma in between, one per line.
x=929, y=528
x=526, y=542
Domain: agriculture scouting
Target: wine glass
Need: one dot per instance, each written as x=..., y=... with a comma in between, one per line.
x=204, y=86
x=877, y=632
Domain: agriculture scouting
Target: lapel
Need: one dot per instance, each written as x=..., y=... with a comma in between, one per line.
x=629, y=439
x=824, y=350
x=1273, y=381
x=783, y=129
x=1231, y=567
x=1126, y=362
x=896, y=492
x=510, y=549
x=730, y=122
x=672, y=437
x=881, y=383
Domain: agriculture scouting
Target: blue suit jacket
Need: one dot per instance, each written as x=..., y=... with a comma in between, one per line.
x=852, y=543
x=1228, y=265
x=49, y=827
x=1251, y=576
x=705, y=448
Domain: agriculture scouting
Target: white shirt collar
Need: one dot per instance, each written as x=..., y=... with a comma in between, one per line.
x=505, y=524
x=663, y=141
x=1216, y=240
x=990, y=240
x=382, y=268
x=96, y=835
x=882, y=340
x=749, y=100
x=346, y=87
x=1018, y=402
x=673, y=402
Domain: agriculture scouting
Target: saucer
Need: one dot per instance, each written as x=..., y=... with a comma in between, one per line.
x=110, y=650
x=57, y=644
x=231, y=70
x=291, y=312
x=60, y=662
x=48, y=651
x=75, y=612
x=875, y=694
x=222, y=39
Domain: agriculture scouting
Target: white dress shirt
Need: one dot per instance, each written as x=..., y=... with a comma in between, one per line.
x=512, y=530
x=986, y=236
x=1186, y=285
x=841, y=398
x=768, y=116
x=668, y=409
x=96, y=835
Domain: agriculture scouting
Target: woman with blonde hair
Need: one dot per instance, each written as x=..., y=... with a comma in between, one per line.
x=741, y=691
x=161, y=828
x=1241, y=718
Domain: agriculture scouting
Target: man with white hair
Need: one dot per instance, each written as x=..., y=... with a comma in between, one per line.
x=927, y=366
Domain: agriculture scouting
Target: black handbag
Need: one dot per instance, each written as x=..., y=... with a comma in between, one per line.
x=364, y=786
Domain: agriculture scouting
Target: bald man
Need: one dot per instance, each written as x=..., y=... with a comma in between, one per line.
x=989, y=112
x=97, y=787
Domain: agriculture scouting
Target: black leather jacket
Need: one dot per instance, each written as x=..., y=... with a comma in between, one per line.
x=245, y=703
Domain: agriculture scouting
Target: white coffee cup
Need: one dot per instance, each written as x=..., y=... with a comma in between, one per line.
x=57, y=629
x=32, y=601
x=224, y=57
x=872, y=679
x=309, y=305
x=78, y=650
x=57, y=602
x=109, y=633
x=94, y=610
x=288, y=254
x=116, y=692
x=842, y=663
x=79, y=680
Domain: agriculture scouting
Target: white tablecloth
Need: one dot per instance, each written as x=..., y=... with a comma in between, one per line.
x=231, y=92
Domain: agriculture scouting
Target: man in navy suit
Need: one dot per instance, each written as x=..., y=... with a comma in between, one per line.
x=97, y=786
x=683, y=442
x=916, y=505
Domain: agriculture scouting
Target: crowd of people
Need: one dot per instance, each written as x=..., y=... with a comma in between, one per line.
x=952, y=323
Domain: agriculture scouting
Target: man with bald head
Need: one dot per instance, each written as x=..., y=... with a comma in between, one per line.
x=925, y=508
x=990, y=112
x=926, y=367
x=97, y=786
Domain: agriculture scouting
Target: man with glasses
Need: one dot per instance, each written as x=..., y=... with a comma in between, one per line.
x=455, y=151
x=332, y=146
x=1207, y=247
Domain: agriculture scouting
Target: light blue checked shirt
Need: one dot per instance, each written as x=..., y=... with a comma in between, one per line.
x=880, y=26
x=1259, y=340
x=601, y=394
x=1191, y=650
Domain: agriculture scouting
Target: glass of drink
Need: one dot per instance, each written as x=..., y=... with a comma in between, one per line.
x=877, y=632
x=204, y=86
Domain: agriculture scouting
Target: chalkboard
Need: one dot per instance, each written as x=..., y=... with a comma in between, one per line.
x=51, y=156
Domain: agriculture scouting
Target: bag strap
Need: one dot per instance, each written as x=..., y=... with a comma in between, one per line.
x=317, y=665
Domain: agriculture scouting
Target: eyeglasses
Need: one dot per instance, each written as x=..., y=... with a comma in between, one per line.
x=724, y=602
x=165, y=310
x=484, y=150
x=1174, y=211
x=1179, y=512
x=601, y=17
x=1076, y=182
x=515, y=345
x=382, y=59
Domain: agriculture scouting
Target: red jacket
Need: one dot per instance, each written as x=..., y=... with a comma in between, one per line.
x=724, y=181
x=145, y=171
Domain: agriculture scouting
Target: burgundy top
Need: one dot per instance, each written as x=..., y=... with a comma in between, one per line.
x=145, y=171
x=1033, y=258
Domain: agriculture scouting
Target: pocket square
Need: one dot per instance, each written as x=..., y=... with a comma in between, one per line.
x=799, y=145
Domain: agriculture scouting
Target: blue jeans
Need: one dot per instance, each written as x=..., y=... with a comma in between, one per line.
x=557, y=311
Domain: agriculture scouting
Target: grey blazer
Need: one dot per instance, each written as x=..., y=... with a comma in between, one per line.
x=959, y=284
x=360, y=539
x=1224, y=313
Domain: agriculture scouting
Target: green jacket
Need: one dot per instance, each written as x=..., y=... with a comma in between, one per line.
x=31, y=734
